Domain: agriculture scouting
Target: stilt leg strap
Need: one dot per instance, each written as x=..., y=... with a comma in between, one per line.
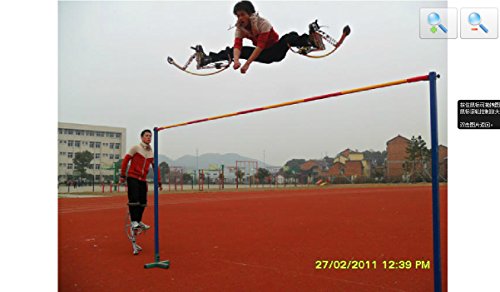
x=133, y=204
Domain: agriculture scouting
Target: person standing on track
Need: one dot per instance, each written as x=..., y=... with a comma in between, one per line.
x=141, y=157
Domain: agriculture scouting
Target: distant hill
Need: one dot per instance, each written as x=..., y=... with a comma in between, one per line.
x=207, y=159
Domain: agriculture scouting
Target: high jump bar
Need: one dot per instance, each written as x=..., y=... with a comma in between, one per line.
x=304, y=100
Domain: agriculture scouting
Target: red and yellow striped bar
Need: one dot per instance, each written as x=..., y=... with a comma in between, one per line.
x=345, y=92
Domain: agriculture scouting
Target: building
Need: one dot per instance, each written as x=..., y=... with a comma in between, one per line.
x=350, y=164
x=396, y=157
x=353, y=169
x=443, y=162
x=107, y=144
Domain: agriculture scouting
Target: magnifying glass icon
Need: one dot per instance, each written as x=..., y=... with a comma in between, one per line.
x=475, y=19
x=434, y=19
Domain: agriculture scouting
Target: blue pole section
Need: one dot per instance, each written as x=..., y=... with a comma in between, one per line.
x=435, y=183
x=157, y=263
x=155, y=169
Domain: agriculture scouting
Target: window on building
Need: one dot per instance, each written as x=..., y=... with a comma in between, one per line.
x=117, y=156
x=92, y=144
x=91, y=166
x=70, y=132
x=79, y=132
x=112, y=135
x=60, y=131
x=97, y=155
x=111, y=145
x=89, y=133
x=97, y=166
x=97, y=144
x=70, y=143
x=65, y=131
x=70, y=165
x=100, y=134
x=77, y=143
x=117, y=146
x=70, y=154
x=60, y=141
x=118, y=135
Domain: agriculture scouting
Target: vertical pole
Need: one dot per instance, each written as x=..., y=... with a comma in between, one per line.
x=157, y=263
x=157, y=240
x=435, y=183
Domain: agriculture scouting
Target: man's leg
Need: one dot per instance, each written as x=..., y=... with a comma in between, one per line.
x=294, y=40
x=133, y=199
x=143, y=198
x=275, y=53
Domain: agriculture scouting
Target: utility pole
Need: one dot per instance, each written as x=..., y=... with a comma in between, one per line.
x=197, y=169
x=264, y=154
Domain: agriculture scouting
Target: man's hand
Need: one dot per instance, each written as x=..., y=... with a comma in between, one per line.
x=236, y=64
x=122, y=179
x=245, y=67
x=160, y=187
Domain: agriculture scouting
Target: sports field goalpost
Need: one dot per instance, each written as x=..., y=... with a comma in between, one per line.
x=431, y=78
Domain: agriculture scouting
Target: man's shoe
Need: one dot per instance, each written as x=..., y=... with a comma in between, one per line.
x=314, y=37
x=135, y=225
x=201, y=58
x=144, y=226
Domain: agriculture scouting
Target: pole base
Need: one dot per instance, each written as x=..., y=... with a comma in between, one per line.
x=158, y=264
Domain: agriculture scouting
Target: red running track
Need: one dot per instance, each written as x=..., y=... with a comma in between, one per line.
x=254, y=241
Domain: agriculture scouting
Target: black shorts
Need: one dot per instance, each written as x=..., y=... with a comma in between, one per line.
x=137, y=191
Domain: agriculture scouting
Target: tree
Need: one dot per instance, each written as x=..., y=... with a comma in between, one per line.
x=82, y=161
x=293, y=165
x=262, y=173
x=418, y=156
x=239, y=174
x=187, y=178
x=164, y=170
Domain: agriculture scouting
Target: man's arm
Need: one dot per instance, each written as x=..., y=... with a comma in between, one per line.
x=125, y=161
x=238, y=44
x=159, y=176
x=261, y=44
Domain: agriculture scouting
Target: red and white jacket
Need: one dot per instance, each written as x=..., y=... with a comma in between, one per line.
x=142, y=158
x=261, y=33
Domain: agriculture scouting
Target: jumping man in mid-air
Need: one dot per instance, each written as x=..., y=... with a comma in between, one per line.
x=269, y=47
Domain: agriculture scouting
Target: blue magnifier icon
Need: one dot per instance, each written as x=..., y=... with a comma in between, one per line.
x=475, y=19
x=434, y=19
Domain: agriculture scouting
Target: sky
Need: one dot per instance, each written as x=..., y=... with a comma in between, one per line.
x=113, y=71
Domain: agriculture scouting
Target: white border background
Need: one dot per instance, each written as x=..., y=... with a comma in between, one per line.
x=28, y=68
x=473, y=191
